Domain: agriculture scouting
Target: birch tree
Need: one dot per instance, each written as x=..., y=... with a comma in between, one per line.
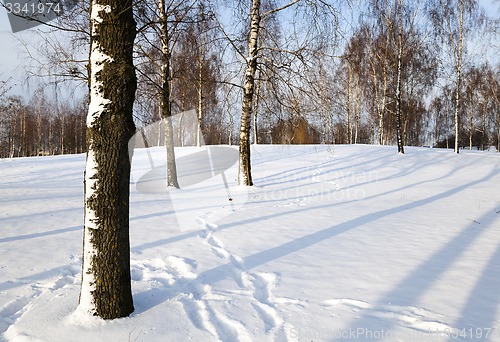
x=166, y=106
x=350, y=84
x=309, y=26
x=454, y=22
x=401, y=71
x=458, y=56
x=106, y=289
x=244, y=168
x=399, y=24
x=161, y=23
x=196, y=66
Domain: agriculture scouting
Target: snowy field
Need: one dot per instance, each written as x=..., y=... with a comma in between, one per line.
x=332, y=243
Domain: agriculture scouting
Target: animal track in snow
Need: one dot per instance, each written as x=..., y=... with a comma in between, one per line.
x=163, y=271
x=264, y=305
x=198, y=307
x=408, y=316
x=184, y=268
x=220, y=250
x=13, y=310
x=256, y=287
x=355, y=304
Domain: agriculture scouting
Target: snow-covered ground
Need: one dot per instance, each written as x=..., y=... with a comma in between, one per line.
x=332, y=243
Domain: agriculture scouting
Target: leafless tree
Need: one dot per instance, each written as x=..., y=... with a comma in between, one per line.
x=31, y=127
x=5, y=87
x=480, y=105
x=454, y=23
x=310, y=26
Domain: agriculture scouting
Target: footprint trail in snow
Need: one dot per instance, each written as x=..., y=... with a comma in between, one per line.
x=255, y=288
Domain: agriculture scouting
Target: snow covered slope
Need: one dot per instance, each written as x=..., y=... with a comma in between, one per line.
x=333, y=243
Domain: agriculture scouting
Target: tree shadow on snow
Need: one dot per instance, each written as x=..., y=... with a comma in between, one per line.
x=41, y=234
x=483, y=301
x=424, y=276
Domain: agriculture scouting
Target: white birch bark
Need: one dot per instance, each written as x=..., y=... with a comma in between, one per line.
x=244, y=171
x=458, y=69
x=166, y=110
x=398, y=97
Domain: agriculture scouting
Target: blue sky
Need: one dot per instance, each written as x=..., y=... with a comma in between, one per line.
x=12, y=63
x=9, y=46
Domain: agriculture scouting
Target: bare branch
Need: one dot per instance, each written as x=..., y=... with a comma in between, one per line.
x=270, y=12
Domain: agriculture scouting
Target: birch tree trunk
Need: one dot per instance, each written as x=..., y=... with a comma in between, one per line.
x=106, y=290
x=357, y=118
x=498, y=140
x=255, y=113
x=382, y=109
x=200, y=96
x=377, y=115
x=166, y=109
x=348, y=112
x=471, y=129
x=62, y=133
x=398, y=96
x=458, y=68
x=399, y=133
x=230, y=117
x=244, y=171
x=483, y=128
